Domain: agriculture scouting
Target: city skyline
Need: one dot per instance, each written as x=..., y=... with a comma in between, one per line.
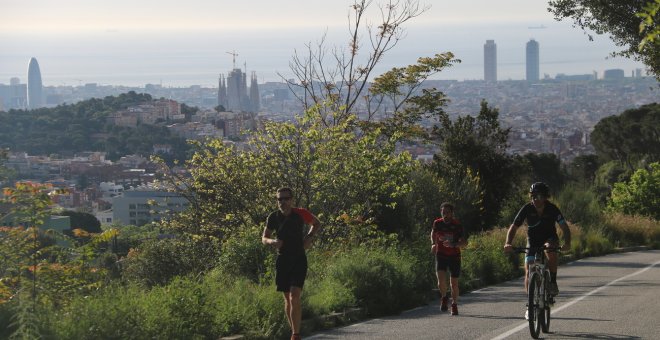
x=76, y=43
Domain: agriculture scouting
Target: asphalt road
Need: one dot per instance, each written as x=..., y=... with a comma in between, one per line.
x=609, y=297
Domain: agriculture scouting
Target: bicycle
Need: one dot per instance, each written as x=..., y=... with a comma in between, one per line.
x=539, y=302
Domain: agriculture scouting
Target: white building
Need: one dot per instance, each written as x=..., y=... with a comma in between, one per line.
x=142, y=205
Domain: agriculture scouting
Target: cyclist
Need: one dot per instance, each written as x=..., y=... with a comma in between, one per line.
x=447, y=238
x=541, y=216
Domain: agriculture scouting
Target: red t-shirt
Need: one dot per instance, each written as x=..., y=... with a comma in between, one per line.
x=451, y=231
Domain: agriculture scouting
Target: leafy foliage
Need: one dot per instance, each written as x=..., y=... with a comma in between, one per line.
x=478, y=145
x=622, y=20
x=630, y=137
x=71, y=128
x=545, y=167
x=81, y=220
x=640, y=195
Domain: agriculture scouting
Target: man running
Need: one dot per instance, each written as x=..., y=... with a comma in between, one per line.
x=447, y=238
x=291, y=265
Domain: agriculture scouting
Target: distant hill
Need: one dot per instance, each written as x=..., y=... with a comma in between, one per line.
x=67, y=129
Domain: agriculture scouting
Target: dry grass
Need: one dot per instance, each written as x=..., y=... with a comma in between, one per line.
x=629, y=230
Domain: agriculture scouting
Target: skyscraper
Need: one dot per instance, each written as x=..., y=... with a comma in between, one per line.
x=532, y=60
x=490, y=61
x=34, y=85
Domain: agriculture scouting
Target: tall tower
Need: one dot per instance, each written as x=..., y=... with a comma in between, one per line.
x=254, y=93
x=34, y=85
x=222, y=91
x=490, y=61
x=532, y=61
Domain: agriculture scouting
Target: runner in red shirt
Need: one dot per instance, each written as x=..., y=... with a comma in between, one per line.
x=447, y=238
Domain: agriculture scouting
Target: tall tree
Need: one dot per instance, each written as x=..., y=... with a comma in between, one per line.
x=630, y=137
x=583, y=169
x=338, y=80
x=622, y=20
x=478, y=145
x=545, y=167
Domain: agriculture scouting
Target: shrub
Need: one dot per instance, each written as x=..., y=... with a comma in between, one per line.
x=243, y=255
x=595, y=242
x=580, y=206
x=326, y=296
x=382, y=280
x=157, y=262
x=640, y=195
x=484, y=260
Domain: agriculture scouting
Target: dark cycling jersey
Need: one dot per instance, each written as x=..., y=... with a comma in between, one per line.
x=539, y=228
x=290, y=229
x=451, y=231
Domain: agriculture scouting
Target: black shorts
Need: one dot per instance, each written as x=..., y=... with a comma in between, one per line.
x=532, y=245
x=453, y=263
x=290, y=270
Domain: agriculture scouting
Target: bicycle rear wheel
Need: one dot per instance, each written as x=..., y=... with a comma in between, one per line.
x=534, y=312
x=545, y=323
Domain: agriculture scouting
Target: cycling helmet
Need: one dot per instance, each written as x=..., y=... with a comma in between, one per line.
x=539, y=188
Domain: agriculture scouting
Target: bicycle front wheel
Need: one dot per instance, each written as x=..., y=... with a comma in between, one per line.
x=534, y=310
x=545, y=323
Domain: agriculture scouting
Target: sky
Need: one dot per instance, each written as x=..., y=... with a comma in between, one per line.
x=75, y=16
x=181, y=43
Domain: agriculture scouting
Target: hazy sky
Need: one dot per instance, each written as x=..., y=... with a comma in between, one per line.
x=49, y=16
x=186, y=42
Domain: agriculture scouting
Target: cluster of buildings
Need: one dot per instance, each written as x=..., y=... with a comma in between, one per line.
x=532, y=64
x=124, y=192
x=545, y=116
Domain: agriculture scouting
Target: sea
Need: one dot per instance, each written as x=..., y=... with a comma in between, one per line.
x=195, y=57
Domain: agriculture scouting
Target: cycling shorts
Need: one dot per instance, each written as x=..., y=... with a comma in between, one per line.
x=532, y=245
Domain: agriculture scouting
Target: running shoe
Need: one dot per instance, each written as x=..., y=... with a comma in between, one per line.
x=553, y=289
x=526, y=314
x=443, y=304
x=454, y=309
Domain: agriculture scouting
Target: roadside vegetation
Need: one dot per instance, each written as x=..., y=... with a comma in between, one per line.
x=211, y=276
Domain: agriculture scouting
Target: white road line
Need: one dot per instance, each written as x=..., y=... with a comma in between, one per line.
x=574, y=301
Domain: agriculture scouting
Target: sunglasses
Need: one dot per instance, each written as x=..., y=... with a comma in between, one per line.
x=538, y=197
x=284, y=198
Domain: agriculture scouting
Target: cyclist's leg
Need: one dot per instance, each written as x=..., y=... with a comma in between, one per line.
x=553, y=264
x=529, y=258
x=552, y=255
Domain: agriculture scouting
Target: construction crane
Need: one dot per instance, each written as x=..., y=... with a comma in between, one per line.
x=234, y=55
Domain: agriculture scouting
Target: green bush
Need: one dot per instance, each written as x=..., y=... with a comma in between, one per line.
x=243, y=255
x=156, y=262
x=382, y=280
x=580, y=206
x=595, y=242
x=484, y=261
x=326, y=296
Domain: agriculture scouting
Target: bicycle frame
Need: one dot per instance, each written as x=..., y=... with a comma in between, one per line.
x=538, y=300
